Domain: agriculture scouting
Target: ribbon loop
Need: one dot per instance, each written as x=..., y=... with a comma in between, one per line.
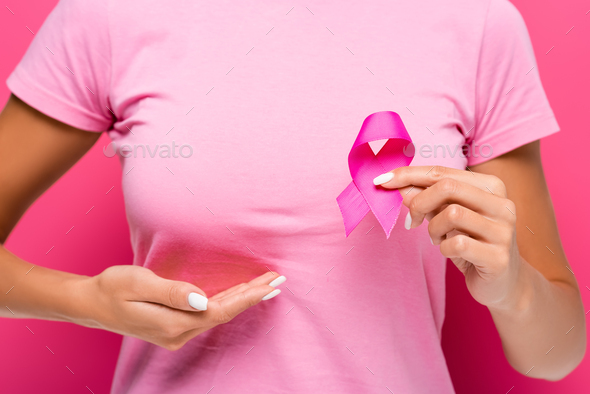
x=361, y=195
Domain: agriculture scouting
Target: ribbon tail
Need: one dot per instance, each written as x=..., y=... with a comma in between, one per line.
x=388, y=219
x=353, y=207
x=385, y=204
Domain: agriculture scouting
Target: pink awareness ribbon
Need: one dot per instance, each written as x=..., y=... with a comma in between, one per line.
x=361, y=195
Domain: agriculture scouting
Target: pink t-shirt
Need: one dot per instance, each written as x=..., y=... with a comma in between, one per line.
x=262, y=101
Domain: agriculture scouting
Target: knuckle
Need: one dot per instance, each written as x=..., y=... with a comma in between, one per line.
x=415, y=204
x=401, y=172
x=448, y=186
x=174, y=293
x=250, y=302
x=116, y=280
x=511, y=207
x=101, y=279
x=223, y=316
x=460, y=243
x=108, y=271
x=438, y=172
x=245, y=300
x=242, y=287
x=454, y=213
x=497, y=185
x=108, y=275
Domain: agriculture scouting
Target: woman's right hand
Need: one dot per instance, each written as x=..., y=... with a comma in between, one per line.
x=133, y=301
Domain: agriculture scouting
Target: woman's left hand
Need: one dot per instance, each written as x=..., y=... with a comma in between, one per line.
x=472, y=220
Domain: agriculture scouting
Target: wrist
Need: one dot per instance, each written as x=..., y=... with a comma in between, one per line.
x=79, y=305
x=520, y=290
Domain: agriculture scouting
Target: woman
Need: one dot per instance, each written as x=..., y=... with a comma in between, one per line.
x=263, y=102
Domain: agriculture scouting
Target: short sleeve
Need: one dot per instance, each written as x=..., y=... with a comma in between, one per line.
x=511, y=107
x=65, y=72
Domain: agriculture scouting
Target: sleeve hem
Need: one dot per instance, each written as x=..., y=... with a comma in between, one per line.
x=516, y=137
x=55, y=107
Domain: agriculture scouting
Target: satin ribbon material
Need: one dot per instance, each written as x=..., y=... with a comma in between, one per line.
x=361, y=195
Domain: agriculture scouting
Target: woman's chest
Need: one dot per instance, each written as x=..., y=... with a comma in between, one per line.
x=253, y=121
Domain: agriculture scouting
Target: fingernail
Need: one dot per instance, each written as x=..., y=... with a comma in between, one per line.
x=272, y=294
x=383, y=178
x=197, y=301
x=431, y=240
x=408, y=223
x=277, y=281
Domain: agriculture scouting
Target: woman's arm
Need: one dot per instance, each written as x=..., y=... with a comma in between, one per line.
x=35, y=150
x=495, y=221
x=545, y=326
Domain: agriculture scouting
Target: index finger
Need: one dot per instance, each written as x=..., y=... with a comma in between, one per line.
x=270, y=278
x=426, y=176
x=223, y=310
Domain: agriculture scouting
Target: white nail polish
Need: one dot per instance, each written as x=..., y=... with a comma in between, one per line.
x=270, y=295
x=383, y=178
x=277, y=281
x=431, y=241
x=408, y=223
x=197, y=301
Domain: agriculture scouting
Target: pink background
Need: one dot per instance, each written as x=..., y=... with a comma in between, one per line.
x=100, y=238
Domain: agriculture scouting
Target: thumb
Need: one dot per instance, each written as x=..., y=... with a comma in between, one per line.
x=172, y=293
